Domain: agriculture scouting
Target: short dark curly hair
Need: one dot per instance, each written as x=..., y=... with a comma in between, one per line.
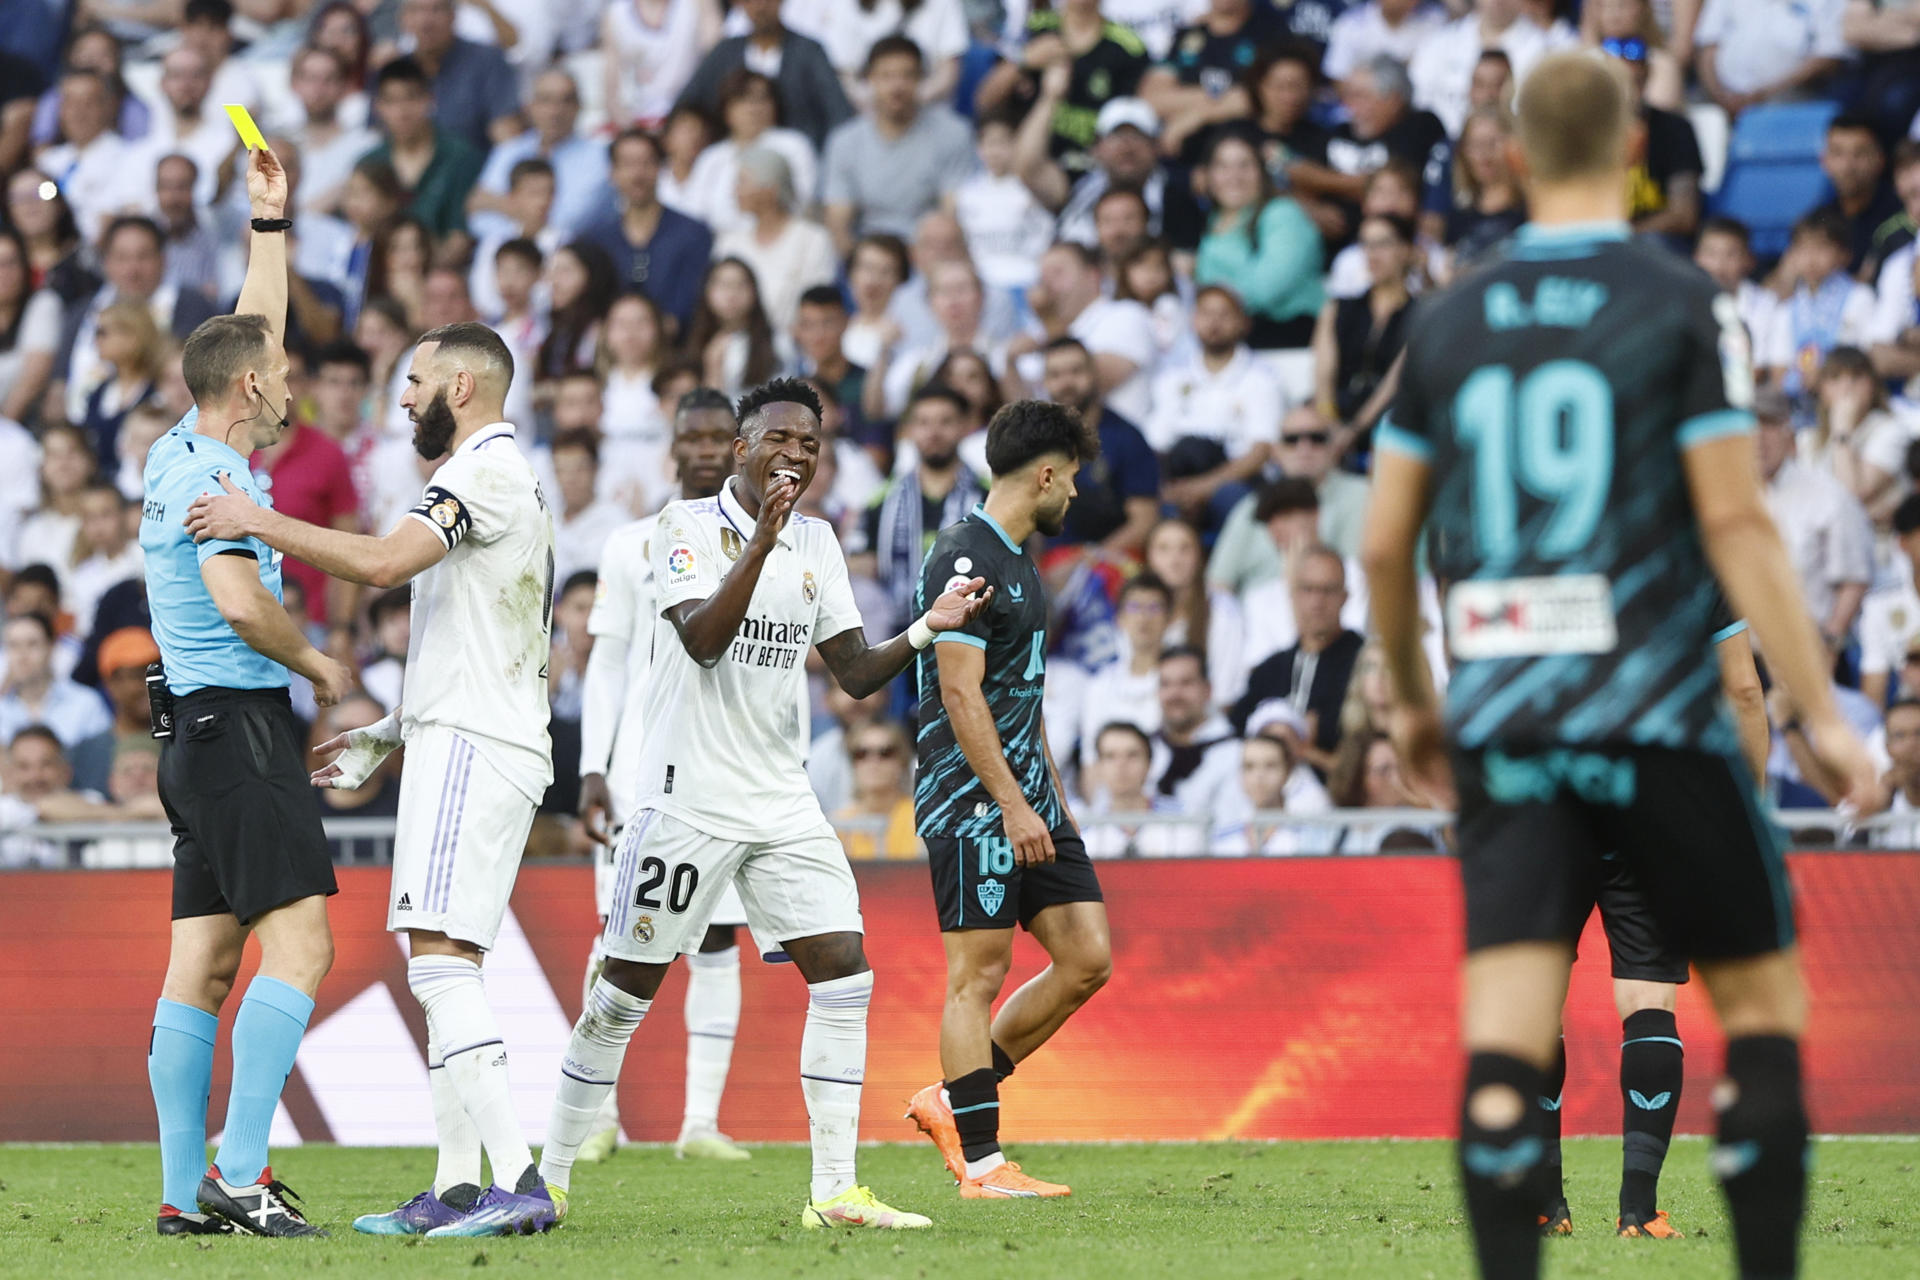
x=778, y=391
x=1028, y=429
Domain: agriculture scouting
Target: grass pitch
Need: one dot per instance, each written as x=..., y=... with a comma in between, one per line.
x=1362, y=1209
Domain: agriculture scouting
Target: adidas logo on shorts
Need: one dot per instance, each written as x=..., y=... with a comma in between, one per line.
x=405, y=903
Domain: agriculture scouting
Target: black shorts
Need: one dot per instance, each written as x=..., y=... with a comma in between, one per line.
x=1638, y=949
x=246, y=822
x=977, y=885
x=1536, y=824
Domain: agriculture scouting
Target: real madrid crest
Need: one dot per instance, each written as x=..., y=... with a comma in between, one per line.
x=444, y=514
x=643, y=929
x=730, y=544
x=807, y=587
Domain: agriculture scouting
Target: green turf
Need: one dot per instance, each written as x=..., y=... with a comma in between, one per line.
x=1186, y=1212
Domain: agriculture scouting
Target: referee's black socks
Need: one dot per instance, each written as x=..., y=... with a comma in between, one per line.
x=1502, y=1156
x=1652, y=1068
x=1761, y=1155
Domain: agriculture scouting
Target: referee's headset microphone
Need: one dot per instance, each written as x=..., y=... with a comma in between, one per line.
x=264, y=408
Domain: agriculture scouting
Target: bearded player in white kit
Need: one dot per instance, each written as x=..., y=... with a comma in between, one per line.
x=612, y=727
x=473, y=717
x=748, y=587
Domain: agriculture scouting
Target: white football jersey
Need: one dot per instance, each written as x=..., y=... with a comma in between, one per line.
x=726, y=746
x=624, y=615
x=477, y=659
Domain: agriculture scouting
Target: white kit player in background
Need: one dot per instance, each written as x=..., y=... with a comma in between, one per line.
x=612, y=727
x=473, y=717
x=746, y=588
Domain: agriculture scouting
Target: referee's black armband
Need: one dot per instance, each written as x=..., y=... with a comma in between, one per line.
x=445, y=514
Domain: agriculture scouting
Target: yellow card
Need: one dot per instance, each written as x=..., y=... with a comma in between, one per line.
x=243, y=125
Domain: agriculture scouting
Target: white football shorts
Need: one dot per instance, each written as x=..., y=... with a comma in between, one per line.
x=606, y=868
x=457, y=841
x=673, y=879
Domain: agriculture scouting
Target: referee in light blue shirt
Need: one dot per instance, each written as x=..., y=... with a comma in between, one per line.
x=249, y=852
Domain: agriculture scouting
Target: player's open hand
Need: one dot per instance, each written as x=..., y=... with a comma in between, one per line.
x=1842, y=756
x=266, y=184
x=596, y=802
x=227, y=517
x=1032, y=842
x=1421, y=744
x=960, y=605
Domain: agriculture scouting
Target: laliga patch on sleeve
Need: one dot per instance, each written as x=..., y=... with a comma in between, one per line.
x=682, y=565
x=445, y=514
x=956, y=582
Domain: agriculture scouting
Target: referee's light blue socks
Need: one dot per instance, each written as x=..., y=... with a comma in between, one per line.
x=180, y=1068
x=266, y=1036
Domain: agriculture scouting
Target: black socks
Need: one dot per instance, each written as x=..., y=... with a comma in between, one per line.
x=1761, y=1155
x=1500, y=1168
x=1002, y=1064
x=975, y=1098
x=1553, y=1091
x=1652, y=1067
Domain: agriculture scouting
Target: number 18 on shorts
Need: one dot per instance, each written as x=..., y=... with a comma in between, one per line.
x=978, y=884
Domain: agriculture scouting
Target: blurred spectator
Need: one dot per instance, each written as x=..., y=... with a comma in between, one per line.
x=819, y=333
x=1856, y=164
x=579, y=163
x=968, y=373
x=98, y=171
x=1856, y=436
x=386, y=333
x=829, y=766
x=123, y=660
x=379, y=795
x=144, y=425
x=1074, y=58
x=649, y=50
x=1443, y=67
x=129, y=354
x=1128, y=688
x=66, y=465
x=1380, y=28
x=1280, y=86
x=849, y=29
x=184, y=125
x=390, y=617
x=1271, y=608
x=1366, y=775
x=34, y=695
x=1890, y=618
x=1203, y=617
x=1272, y=780
x=938, y=491
x=1123, y=757
x=35, y=589
x=635, y=435
x=581, y=284
x=1827, y=307
x=684, y=137
x=876, y=270
x=108, y=554
x=957, y=300
x=1006, y=227
x=750, y=116
x=29, y=330
x=133, y=259
x=1725, y=252
x=1889, y=37
x=1196, y=84
x=1896, y=349
x=811, y=99
x=96, y=49
x=339, y=26
x=1383, y=125
x=527, y=216
x=789, y=254
x=1215, y=416
x=207, y=28
x=581, y=522
x=436, y=165
x=41, y=215
x=655, y=250
x=476, y=95
x=369, y=206
x=1124, y=156
x=1630, y=29
x=39, y=787
x=312, y=480
x=1900, y=785
x=1117, y=334
x=1829, y=539
x=1357, y=340
x=1310, y=675
x=1484, y=203
x=329, y=145
x=1196, y=756
x=1754, y=51
x=1393, y=190
x=1118, y=491
x=882, y=764
x=889, y=165
x=730, y=334
x=1261, y=245
x=202, y=254
x=19, y=484
x=571, y=646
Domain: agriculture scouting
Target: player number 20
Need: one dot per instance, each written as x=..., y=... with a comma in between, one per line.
x=653, y=874
x=1551, y=435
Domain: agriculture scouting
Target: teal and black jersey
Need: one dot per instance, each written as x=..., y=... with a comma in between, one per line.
x=1553, y=396
x=1012, y=631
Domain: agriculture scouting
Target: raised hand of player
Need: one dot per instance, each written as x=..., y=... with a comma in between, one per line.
x=227, y=516
x=776, y=505
x=959, y=606
x=1843, y=757
x=1032, y=842
x=596, y=802
x=266, y=184
x=1421, y=744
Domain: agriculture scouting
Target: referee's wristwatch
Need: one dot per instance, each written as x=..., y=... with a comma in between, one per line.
x=273, y=224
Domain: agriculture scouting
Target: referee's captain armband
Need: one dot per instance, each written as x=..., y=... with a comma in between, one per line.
x=445, y=514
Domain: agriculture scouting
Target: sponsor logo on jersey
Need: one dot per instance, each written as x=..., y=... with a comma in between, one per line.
x=1531, y=617
x=807, y=588
x=730, y=544
x=643, y=929
x=1017, y=591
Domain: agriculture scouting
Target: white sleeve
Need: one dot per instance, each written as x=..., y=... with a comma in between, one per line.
x=836, y=610
x=1876, y=642
x=603, y=695
x=685, y=558
x=615, y=593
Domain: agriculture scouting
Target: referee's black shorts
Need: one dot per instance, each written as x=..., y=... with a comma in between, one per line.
x=246, y=822
x=1536, y=824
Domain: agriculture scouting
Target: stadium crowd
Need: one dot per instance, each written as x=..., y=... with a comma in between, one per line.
x=1200, y=222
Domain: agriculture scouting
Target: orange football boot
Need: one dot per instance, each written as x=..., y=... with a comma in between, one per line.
x=1006, y=1182
x=1657, y=1227
x=930, y=1111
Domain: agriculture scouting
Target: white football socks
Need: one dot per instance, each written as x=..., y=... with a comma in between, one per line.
x=459, y=1141
x=713, y=1016
x=461, y=1023
x=609, y=1117
x=833, y=1066
x=590, y=1071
